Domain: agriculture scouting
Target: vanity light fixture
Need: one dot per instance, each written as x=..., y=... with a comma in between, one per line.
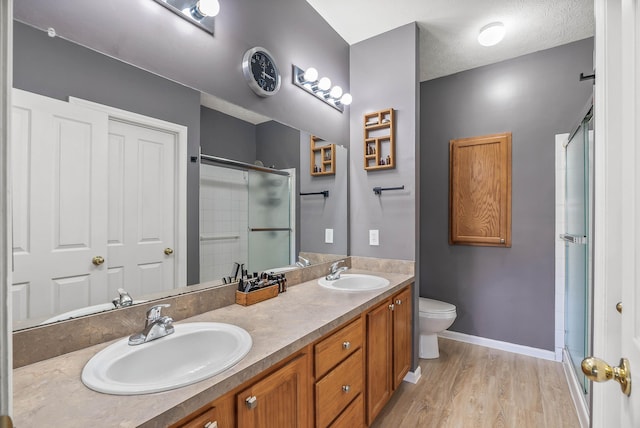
x=491, y=34
x=199, y=12
x=320, y=88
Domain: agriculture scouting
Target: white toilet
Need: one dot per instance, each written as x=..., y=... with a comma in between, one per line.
x=435, y=316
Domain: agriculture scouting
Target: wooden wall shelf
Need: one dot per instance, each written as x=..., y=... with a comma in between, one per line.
x=379, y=140
x=323, y=157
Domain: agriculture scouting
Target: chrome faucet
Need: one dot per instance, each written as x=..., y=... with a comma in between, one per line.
x=156, y=326
x=123, y=300
x=336, y=271
x=302, y=262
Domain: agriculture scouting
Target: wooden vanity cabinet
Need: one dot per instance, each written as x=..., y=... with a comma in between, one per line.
x=281, y=399
x=388, y=341
x=219, y=414
x=339, y=376
x=342, y=380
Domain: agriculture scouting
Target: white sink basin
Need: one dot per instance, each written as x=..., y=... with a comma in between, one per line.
x=195, y=351
x=355, y=282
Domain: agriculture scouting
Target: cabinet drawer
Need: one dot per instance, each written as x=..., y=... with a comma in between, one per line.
x=338, y=388
x=337, y=347
x=353, y=416
x=208, y=419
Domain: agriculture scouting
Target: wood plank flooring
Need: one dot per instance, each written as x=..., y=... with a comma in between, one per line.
x=471, y=386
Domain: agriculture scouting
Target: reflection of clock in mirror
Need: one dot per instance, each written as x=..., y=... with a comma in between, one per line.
x=261, y=71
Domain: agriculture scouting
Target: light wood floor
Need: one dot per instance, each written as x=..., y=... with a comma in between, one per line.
x=471, y=386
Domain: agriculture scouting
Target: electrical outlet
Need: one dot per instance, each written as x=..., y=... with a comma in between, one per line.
x=374, y=237
x=328, y=236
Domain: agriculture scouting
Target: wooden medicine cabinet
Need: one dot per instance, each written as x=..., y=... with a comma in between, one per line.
x=480, y=191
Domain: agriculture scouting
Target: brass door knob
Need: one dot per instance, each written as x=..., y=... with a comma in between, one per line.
x=168, y=251
x=97, y=260
x=619, y=307
x=599, y=371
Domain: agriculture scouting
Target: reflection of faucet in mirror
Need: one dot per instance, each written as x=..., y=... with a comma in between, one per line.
x=336, y=271
x=156, y=326
x=123, y=300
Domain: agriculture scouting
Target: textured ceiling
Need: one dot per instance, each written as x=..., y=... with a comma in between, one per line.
x=449, y=28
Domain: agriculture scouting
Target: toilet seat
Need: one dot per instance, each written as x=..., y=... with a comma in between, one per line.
x=435, y=308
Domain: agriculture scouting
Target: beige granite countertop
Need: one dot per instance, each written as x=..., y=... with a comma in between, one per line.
x=50, y=392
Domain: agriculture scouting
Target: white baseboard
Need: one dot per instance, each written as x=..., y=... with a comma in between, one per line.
x=414, y=376
x=579, y=400
x=496, y=344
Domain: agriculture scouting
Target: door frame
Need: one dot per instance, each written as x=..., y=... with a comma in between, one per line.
x=614, y=133
x=180, y=132
x=6, y=83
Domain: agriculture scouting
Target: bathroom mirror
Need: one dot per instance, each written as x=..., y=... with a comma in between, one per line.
x=56, y=68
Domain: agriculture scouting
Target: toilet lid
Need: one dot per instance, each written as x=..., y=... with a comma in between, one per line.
x=435, y=306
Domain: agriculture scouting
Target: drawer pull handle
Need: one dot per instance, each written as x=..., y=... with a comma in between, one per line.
x=346, y=388
x=346, y=345
x=252, y=402
x=398, y=302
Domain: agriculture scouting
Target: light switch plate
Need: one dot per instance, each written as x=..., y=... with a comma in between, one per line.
x=328, y=236
x=374, y=237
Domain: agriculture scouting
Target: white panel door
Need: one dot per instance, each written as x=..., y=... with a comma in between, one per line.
x=59, y=177
x=142, y=208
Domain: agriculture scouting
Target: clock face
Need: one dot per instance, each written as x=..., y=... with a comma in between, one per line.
x=261, y=71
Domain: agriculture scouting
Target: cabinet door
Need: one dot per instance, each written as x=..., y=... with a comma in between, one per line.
x=379, y=359
x=401, y=336
x=480, y=191
x=219, y=414
x=279, y=400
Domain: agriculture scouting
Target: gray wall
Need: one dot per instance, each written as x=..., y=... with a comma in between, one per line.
x=505, y=294
x=226, y=136
x=58, y=69
x=145, y=34
x=318, y=213
x=383, y=75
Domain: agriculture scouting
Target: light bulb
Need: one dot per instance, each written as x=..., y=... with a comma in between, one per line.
x=346, y=99
x=324, y=83
x=311, y=75
x=491, y=34
x=208, y=7
x=336, y=92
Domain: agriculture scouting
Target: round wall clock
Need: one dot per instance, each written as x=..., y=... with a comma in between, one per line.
x=261, y=71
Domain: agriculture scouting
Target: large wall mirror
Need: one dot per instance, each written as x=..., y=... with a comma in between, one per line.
x=107, y=146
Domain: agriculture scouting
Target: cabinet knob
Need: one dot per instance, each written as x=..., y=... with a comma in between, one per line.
x=398, y=302
x=391, y=307
x=252, y=402
x=346, y=388
x=210, y=424
x=346, y=345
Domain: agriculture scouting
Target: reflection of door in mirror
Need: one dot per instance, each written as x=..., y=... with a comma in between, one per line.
x=72, y=246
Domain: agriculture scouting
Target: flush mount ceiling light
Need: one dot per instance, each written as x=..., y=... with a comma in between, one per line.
x=199, y=12
x=320, y=88
x=491, y=34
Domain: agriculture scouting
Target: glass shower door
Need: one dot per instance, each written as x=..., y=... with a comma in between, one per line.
x=269, y=221
x=577, y=249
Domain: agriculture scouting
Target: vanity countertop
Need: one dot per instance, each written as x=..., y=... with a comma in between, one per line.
x=50, y=392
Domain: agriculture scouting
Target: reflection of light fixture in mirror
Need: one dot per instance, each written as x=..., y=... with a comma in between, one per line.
x=491, y=34
x=322, y=89
x=199, y=12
